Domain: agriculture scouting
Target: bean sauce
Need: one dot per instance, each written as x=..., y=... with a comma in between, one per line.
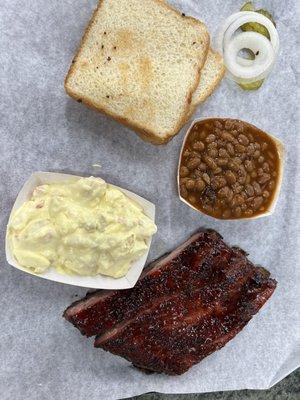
x=229, y=169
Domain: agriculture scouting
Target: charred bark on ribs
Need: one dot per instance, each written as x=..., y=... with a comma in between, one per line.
x=185, y=306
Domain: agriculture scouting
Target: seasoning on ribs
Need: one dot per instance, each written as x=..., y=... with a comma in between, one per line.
x=185, y=306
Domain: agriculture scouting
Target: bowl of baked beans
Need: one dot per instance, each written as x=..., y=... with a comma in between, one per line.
x=230, y=169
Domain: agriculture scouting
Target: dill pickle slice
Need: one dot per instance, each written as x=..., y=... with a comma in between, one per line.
x=266, y=14
x=248, y=6
x=255, y=26
x=251, y=86
x=254, y=85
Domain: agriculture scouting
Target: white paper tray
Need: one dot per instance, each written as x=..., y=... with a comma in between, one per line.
x=95, y=282
x=281, y=154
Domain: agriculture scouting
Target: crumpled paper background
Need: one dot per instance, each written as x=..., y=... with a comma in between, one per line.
x=41, y=355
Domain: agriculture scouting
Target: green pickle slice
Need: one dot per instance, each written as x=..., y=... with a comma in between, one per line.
x=248, y=7
x=255, y=27
x=251, y=86
x=266, y=14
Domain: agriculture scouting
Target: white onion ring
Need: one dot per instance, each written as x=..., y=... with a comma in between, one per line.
x=252, y=69
x=253, y=17
x=225, y=26
x=239, y=67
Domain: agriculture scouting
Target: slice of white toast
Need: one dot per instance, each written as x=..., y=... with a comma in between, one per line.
x=211, y=75
x=139, y=62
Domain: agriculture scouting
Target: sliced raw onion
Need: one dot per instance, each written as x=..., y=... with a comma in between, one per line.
x=229, y=44
x=225, y=25
x=252, y=70
x=253, y=17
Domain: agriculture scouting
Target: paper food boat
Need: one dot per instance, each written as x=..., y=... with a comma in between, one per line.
x=96, y=282
x=273, y=203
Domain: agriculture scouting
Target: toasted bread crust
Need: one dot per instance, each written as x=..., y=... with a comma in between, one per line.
x=217, y=82
x=145, y=134
x=209, y=92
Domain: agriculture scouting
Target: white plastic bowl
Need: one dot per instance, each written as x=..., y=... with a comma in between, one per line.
x=280, y=150
x=98, y=281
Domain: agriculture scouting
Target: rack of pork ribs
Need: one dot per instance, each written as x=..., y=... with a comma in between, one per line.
x=185, y=306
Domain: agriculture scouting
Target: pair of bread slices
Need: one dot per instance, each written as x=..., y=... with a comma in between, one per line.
x=146, y=65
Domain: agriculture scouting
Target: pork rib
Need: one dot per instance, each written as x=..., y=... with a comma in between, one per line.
x=103, y=309
x=170, y=340
x=184, y=307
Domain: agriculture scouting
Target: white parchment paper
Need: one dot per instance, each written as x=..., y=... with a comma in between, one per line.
x=41, y=355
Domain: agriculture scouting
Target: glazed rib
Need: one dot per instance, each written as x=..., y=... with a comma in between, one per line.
x=159, y=342
x=185, y=306
x=192, y=302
